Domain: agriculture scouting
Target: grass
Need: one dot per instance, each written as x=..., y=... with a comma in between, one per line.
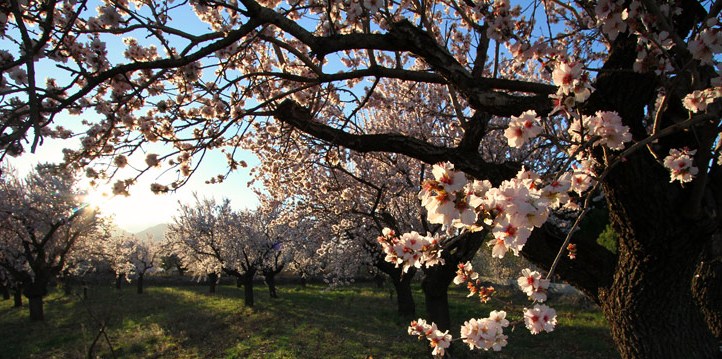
x=312, y=322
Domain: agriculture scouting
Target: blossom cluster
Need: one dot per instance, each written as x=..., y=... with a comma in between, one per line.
x=707, y=43
x=438, y=340
x=519, y=205
x=574, y=84
x=680, y=164
x=510, y=210
x=604, y=128
x=482, y=333
x=410, y=249
x=540, y=318
x=532, y=284
x=522, y=128
x=449, y=198
x=465, y=274
x=486, y=333
x=698, y=100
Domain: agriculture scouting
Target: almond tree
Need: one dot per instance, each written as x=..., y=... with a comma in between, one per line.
x=624, y=93
x=43, y=222
x=353, y=197
x=144, y=258
x=277, y=237
x=5, y=284
x=116, y=251
x=210, y=238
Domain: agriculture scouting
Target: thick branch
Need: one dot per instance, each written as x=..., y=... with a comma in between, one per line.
x=472, y=163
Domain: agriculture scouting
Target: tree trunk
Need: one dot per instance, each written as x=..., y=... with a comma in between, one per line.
x=35, y=291
x=707, y=285
x=6, y=292
x=437, y=279
x=212, y=281
x=402, y=285
x=35, y=304
x=303, y=281
x=270, y=278
x=650, y=305
x=379, y=280
x=139, y=284
x=436, y=292
x=248, y=288
x=18, y=296
x=67, y=286
x=404, y=297
x=239, y=282
x=118, y=280
x=651, y=311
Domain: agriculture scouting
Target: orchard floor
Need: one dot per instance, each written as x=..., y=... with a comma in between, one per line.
x=360, y=321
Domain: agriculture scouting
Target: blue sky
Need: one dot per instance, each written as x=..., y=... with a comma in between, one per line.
x=142, y=208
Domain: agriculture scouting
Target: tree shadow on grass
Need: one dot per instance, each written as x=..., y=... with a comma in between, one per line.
x=186, y=322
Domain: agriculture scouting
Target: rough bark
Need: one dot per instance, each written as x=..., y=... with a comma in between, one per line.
x=119, y=281
x=436, y=292
x=139, y=284
x=248, y=289
x=212, y=282
x=707, y=286
x=35, y=291
x=650, y=305
x=269, y=277
x=17, y=296
x=402, y=285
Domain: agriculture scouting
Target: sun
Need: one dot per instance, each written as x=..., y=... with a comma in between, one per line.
x=96, y=198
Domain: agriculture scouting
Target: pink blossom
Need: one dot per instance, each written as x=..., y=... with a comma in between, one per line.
x=540, y=318
x=565, y=74
x=439, y=341
x=464, y=273
x=522, y=128
x=680, y=164
x=533, y=285
x=485, y=333
x=449, y=179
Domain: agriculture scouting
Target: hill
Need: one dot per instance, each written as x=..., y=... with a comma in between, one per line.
x=157, y=232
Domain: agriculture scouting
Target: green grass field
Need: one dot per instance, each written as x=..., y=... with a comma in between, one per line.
x=312, y=322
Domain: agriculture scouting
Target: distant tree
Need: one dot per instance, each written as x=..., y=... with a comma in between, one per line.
x=144, y=258
x=43, y=220
x=210, y=238
x=116, y=252
x=5, y=284
x=171, y=262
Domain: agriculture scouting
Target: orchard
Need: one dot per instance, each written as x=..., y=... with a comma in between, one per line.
x=406, y=136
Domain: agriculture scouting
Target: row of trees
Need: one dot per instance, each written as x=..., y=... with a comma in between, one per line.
x=211, y=239
x=50, y=234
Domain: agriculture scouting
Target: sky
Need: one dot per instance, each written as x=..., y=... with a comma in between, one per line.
x=143, y=209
